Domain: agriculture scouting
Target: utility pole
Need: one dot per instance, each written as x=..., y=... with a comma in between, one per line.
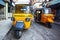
x=6, y=11
x=6, y=8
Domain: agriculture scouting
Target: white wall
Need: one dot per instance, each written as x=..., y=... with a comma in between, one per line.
x=9, y=15
x=22, y=2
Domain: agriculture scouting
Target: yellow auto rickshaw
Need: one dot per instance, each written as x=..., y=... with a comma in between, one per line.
x=44, y=15
x=21, y=19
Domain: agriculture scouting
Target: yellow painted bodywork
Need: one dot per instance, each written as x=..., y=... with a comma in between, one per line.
x=47, y=18
x=22, y=17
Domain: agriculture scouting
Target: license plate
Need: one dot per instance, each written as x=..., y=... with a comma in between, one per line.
x=19, y=21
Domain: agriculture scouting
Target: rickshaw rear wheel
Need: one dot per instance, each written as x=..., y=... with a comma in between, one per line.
x=18, y=34
x=35, y=19
x=48, y=25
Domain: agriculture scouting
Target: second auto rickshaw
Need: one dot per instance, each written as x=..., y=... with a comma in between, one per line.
x=21, y=19
x=45, y=16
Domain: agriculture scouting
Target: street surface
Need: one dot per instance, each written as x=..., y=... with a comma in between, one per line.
x=37, y=32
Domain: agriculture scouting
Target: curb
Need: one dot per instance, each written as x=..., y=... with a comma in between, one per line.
x=57, y=24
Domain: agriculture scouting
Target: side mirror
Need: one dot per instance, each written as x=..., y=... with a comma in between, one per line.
x=12, y=19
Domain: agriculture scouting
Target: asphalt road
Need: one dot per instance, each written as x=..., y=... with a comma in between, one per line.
x=37, y=32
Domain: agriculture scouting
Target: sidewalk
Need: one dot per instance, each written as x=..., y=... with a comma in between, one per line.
x=5, y=26
x=58, y=23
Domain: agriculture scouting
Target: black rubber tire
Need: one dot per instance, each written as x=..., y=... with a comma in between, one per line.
x=48, y=25
x=35, y=19
x=18, y=35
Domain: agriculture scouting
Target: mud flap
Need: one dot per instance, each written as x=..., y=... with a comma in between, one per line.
x=50, y=20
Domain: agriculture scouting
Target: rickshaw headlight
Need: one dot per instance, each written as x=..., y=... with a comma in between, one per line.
x=27, y=19
x=53, y=17
x=38, y=12
x=12, y=19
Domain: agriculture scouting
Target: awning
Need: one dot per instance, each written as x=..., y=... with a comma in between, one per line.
x=2, y=3
x=55, y=6
x=1, y=6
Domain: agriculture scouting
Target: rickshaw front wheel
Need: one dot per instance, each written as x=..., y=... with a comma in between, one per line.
x=48, y=25
x=18, y=34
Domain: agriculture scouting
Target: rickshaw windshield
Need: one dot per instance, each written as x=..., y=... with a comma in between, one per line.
x=47, y=11
x=20, y=9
